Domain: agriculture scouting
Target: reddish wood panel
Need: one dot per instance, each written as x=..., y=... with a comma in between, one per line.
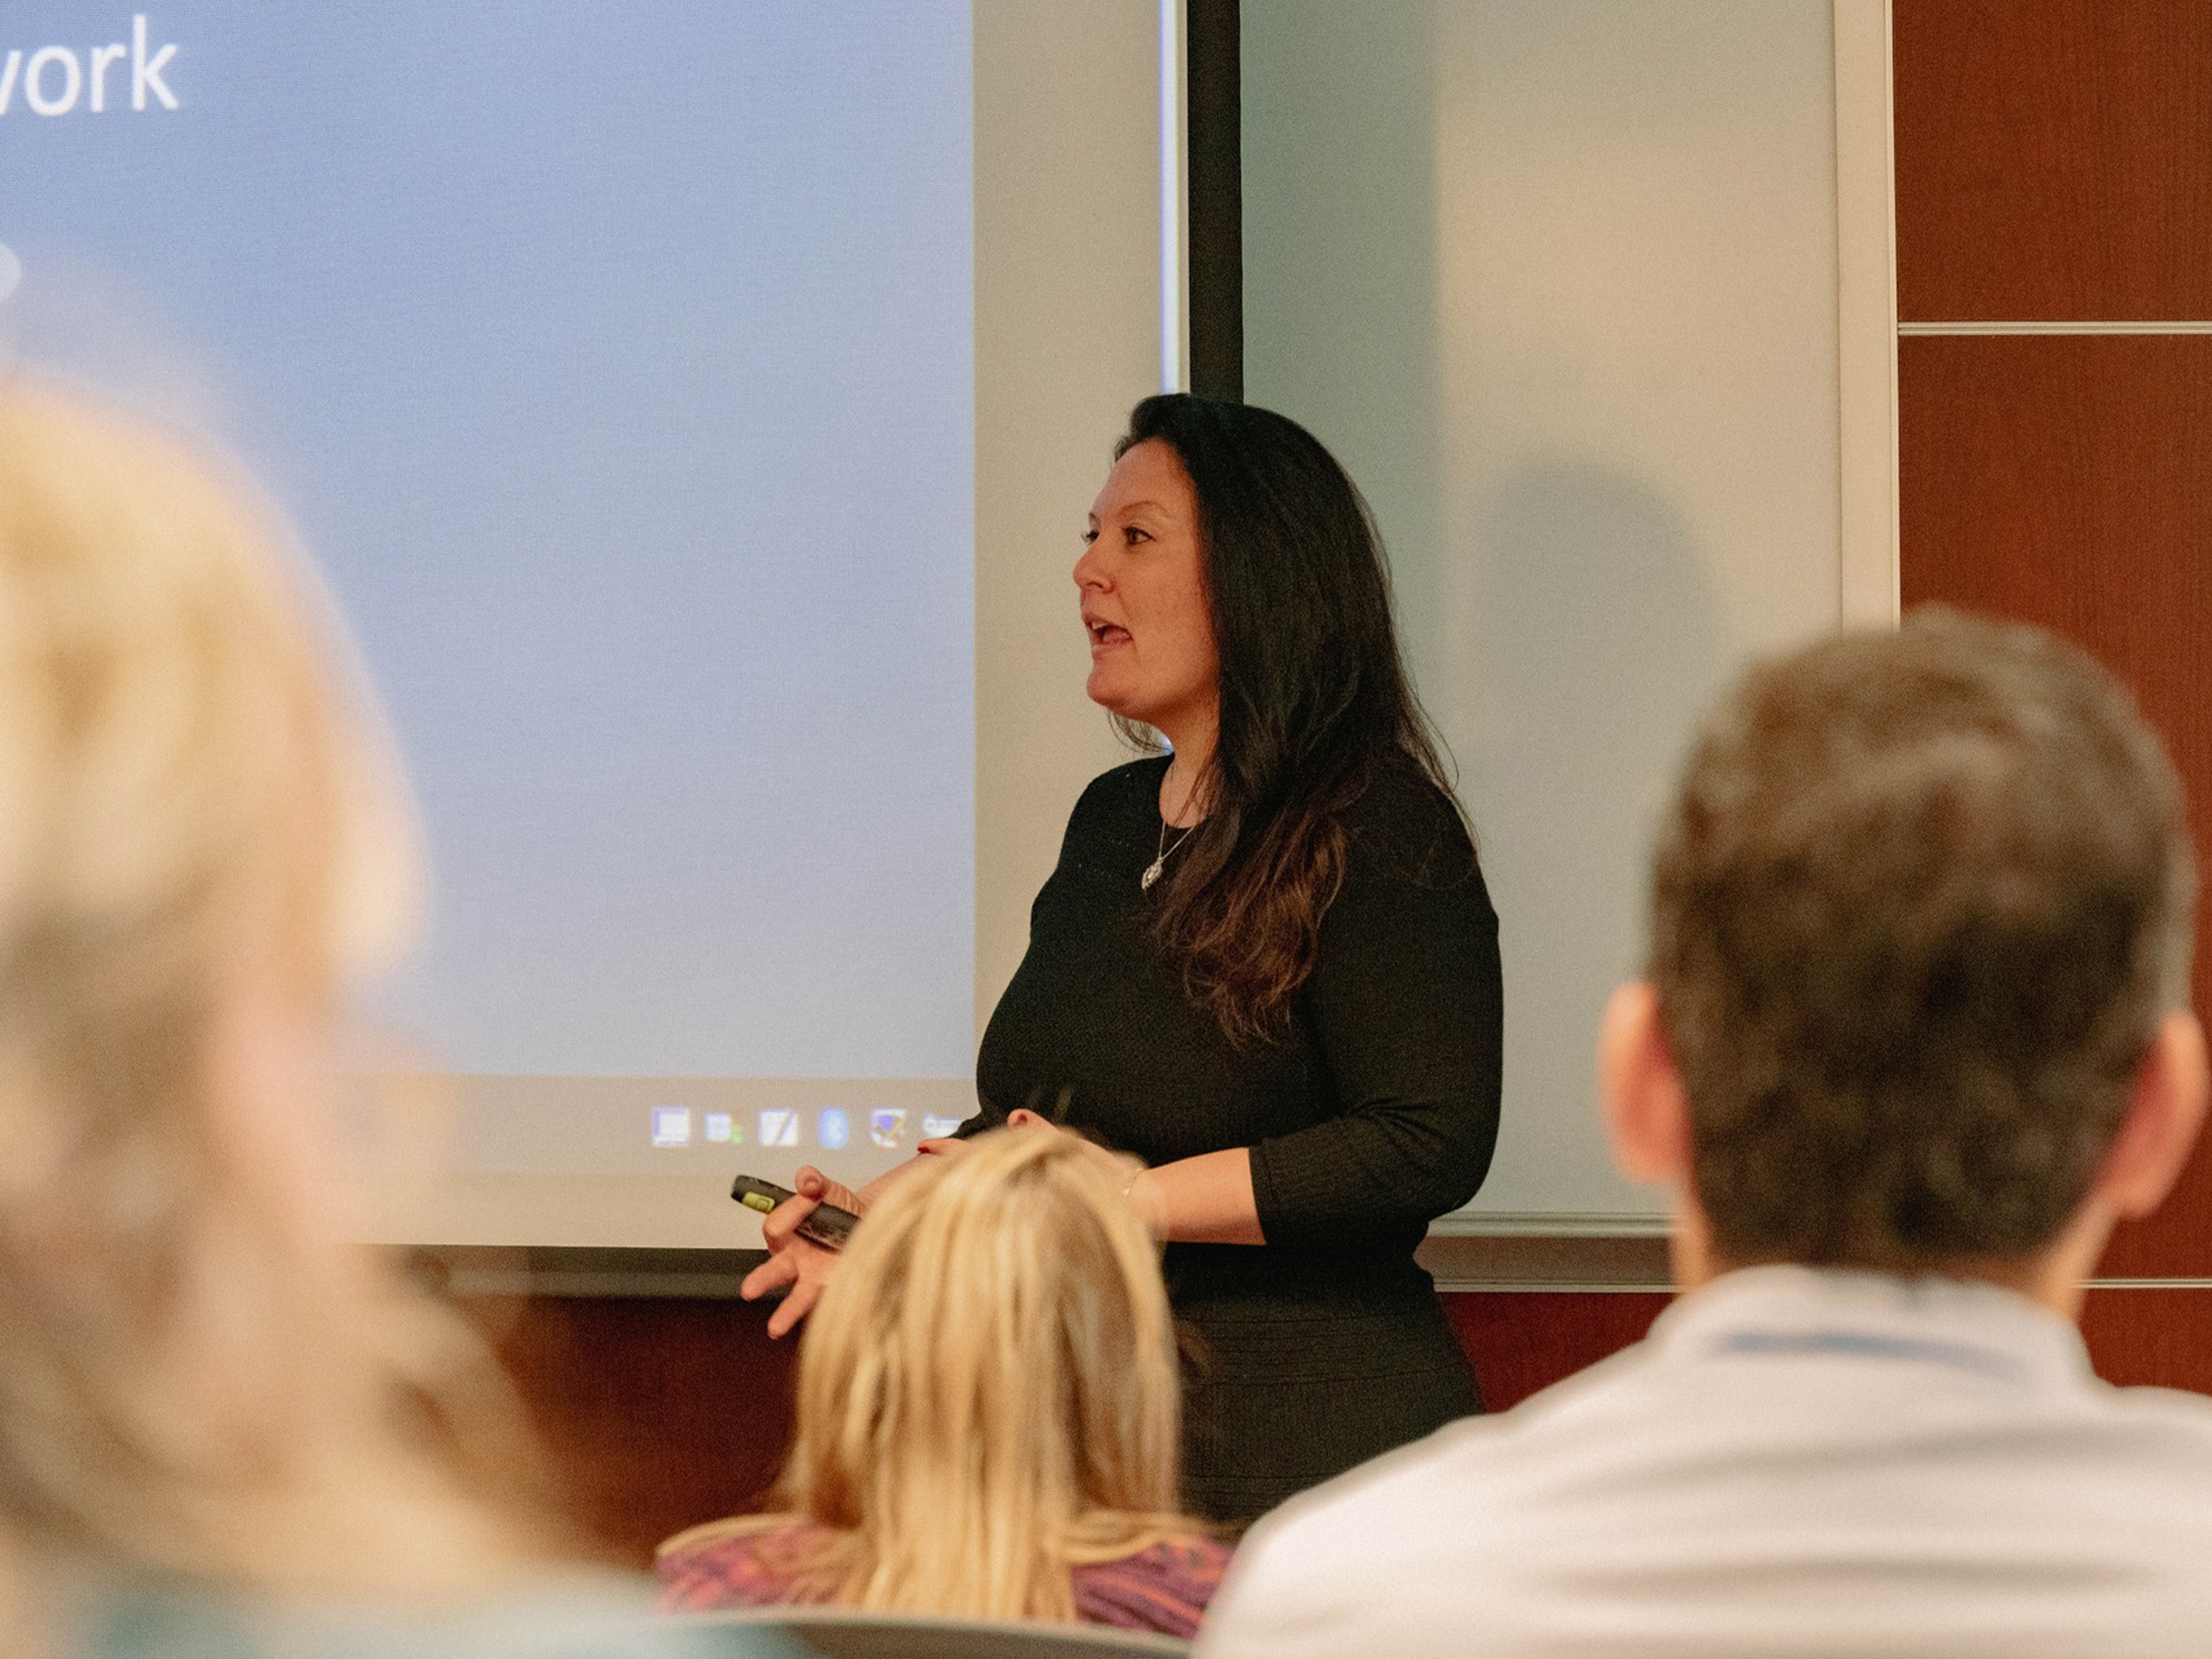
x=2159, y=1336
x=1523, y=1341
x=660, y=1414
x=2069, y=482
x=2054, y=159
x=656, y=1413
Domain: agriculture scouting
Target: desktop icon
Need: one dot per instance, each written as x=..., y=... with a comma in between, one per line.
x=886, y=1125
x=936, y=1128
x=671, y=1125
x=831, y=1128
x=720, y=1128
x=779, y=1128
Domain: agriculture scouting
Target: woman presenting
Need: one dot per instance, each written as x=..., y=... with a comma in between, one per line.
x=1266, y=964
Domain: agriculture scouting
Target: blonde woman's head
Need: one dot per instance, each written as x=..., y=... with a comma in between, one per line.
x=199, y=842
x=988, y=1392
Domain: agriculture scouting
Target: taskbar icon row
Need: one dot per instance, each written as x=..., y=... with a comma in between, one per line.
x=785, y=1126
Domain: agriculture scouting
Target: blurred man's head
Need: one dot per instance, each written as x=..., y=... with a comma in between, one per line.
x=1922, y=916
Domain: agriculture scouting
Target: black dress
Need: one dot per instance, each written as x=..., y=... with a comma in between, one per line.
x=1376, y=1114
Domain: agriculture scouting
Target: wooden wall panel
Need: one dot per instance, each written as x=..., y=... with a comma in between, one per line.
x=2053, y=160
x=656, y=1413
x=2068, y=481
x=1523, y=1341
x=659, y=1413
x=2159, y=1338
x=662, y=1413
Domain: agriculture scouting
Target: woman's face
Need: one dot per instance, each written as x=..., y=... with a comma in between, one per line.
x=1143, y=583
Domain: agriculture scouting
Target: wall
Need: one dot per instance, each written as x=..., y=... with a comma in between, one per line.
x=1557, y=281
x=1067, y=340
x=2053, y=190
x=2054, y=392
x=2054, y=195
x=661, y=1413
x=2053, y=166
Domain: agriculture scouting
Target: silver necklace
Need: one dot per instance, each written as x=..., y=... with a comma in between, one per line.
x=1161, y=853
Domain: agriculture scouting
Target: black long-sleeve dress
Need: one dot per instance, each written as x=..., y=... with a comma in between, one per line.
x=1376, y=1114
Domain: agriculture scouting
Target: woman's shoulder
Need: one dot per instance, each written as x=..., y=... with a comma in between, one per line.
x=749, y=1563
x=1117, y=805
x=1121, y=789
x=1164, y=1586
x=1404, y=825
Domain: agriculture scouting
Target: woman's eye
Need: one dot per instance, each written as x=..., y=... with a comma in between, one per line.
x=1131, y=535
x=1090, y=536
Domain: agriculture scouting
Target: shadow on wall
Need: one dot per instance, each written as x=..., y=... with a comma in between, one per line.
x=1599, y=643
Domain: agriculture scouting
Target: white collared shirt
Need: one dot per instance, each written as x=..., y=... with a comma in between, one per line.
x=1794, y=1462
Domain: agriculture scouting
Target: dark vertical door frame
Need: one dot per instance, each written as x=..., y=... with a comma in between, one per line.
x=1213, y=147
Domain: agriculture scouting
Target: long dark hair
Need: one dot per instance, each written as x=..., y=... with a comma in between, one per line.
x=1314, y=700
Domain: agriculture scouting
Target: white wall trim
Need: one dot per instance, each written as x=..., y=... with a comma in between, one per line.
x=1174, y=200
x=1068, y=336
x=1867, y=591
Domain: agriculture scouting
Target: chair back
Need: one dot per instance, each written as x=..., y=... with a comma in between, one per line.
x=849, y=1633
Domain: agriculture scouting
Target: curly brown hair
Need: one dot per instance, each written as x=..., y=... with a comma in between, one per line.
x=1918, y=909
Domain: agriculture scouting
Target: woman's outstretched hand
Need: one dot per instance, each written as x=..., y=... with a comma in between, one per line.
x=806, y=1267
x=793, y=1261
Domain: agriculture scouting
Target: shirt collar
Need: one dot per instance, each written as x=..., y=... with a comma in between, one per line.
x=1960, y=1326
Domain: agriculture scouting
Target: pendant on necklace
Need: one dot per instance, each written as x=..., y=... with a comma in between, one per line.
x=1151, y=873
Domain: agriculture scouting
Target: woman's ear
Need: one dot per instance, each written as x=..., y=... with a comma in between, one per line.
x=1647, y=1111
x=2165, y=1110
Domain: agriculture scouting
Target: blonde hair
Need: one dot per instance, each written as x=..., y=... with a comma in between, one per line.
x=987, y=1393
x=200, y=842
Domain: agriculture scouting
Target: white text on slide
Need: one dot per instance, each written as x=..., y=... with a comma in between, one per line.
x=58, y=80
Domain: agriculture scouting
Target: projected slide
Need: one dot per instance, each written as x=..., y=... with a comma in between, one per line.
x=615, y=358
